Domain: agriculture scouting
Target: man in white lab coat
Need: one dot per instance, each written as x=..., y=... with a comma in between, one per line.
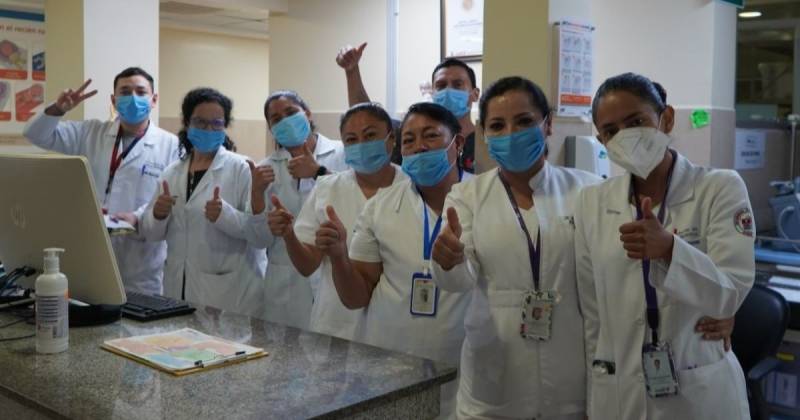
x=126, y=155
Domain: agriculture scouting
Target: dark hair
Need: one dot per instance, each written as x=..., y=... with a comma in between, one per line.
x=194, y=98
x=290, y=95
x=635, y=84
x=506, y=84
x=135, y=71
x=372, y=108
x=435, y=112
x=454, y=62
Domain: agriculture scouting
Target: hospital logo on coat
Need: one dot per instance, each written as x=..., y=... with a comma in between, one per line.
x=743, y=221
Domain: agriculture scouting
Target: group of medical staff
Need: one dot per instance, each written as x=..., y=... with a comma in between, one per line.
x=558, y=294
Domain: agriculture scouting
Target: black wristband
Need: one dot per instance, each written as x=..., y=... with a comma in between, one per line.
x=321, y=171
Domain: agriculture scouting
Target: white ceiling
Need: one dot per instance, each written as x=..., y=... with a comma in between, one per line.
x=239, y=18
x=187, y=14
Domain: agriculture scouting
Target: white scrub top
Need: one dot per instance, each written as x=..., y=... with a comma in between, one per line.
x=289, y=295
x=389, y=231
x=711, y=272
x=340, y=190
x=222, y=262
x=502, y=374
x=140, y=263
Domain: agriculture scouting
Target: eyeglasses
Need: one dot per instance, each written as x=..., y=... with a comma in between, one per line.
x=202, y=123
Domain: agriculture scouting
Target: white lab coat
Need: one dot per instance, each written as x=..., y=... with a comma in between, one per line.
x=340, y=190
x=140, y=263
x=289, y=295
x=389, y=231
x=223, y=262
x=711, y=272
x=503, y=374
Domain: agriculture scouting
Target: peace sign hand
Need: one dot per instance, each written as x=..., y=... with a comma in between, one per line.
x=69, y=99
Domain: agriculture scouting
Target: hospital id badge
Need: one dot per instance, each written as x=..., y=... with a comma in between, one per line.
x=537, y=314
x=659, y=370
x=424, y=295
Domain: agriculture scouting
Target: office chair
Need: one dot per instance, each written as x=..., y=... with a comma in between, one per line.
x=760, y=323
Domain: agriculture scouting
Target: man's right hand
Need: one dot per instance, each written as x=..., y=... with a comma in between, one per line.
x=349, y=57
x=163, y=206
x=448, y=250
x=69, y=99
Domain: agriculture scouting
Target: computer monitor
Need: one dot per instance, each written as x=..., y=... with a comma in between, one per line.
x=49, y=201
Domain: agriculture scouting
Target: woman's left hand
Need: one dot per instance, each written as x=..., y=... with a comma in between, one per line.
x=304, y=165
x=646, y=238
x=716, y=329
x=214, y=207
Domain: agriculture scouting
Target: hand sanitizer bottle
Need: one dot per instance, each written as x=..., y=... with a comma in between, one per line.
x=52, y=311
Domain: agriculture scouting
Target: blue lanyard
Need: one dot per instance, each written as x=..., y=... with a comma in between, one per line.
x=653, y=317
x=427, y=238
x=534, y=253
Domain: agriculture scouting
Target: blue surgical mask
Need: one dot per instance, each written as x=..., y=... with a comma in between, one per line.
x=455, y=100
x=517, y=152
x=427, y=169
x=206, y=141
x=367, y=157
x=292, y=131
x=133, y=109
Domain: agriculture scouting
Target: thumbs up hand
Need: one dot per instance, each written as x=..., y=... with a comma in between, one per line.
x=647, y=239
x=332, y=236
x=303, y=165
x=262, y=177
x=448, y=250
x=163, y=205
x=214, y=207
x=349, y=57
x=280, y=220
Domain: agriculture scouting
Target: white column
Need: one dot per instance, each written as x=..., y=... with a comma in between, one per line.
x=117, y=34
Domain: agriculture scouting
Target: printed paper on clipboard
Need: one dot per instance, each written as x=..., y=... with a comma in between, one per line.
x=183, y=351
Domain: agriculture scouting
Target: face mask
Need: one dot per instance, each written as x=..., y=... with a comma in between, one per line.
x=292, y=131
x=206, y=141
x=367, y=157
x=455, y=100
x=428, y=168
x=638, y=149
x=518, y=151
x=133, y=109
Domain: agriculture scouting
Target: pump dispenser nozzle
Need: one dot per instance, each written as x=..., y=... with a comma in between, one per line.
x=51, y=259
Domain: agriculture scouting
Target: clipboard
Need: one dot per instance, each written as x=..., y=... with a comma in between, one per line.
x=182, y=352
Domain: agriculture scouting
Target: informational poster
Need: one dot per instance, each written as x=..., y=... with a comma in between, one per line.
x=575, y=61
x=462, y=29
x=749, y=150
x=22, y=71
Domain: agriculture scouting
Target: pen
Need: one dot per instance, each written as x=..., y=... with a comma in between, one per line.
x=236, y=356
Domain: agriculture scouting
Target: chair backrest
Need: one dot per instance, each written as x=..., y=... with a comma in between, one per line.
x=760, y=323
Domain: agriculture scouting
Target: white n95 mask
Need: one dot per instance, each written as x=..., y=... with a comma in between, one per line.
x=638, y=149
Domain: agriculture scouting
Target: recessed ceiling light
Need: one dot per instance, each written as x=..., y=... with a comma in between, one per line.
x=749, y=15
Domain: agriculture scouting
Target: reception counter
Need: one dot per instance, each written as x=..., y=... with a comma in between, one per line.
x=306, y=375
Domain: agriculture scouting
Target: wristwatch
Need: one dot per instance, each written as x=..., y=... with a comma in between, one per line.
x=321, y=171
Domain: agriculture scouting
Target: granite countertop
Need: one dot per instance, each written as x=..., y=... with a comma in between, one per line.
x=305, y=375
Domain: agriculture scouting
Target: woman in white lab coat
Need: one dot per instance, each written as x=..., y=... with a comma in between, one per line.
x=204, y=212
x=290, y=173
x=657, y=248
x=386, y=269
x=508, y=234
x=368, y=138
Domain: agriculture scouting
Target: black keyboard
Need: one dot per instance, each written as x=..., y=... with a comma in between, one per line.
x=144, y=307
